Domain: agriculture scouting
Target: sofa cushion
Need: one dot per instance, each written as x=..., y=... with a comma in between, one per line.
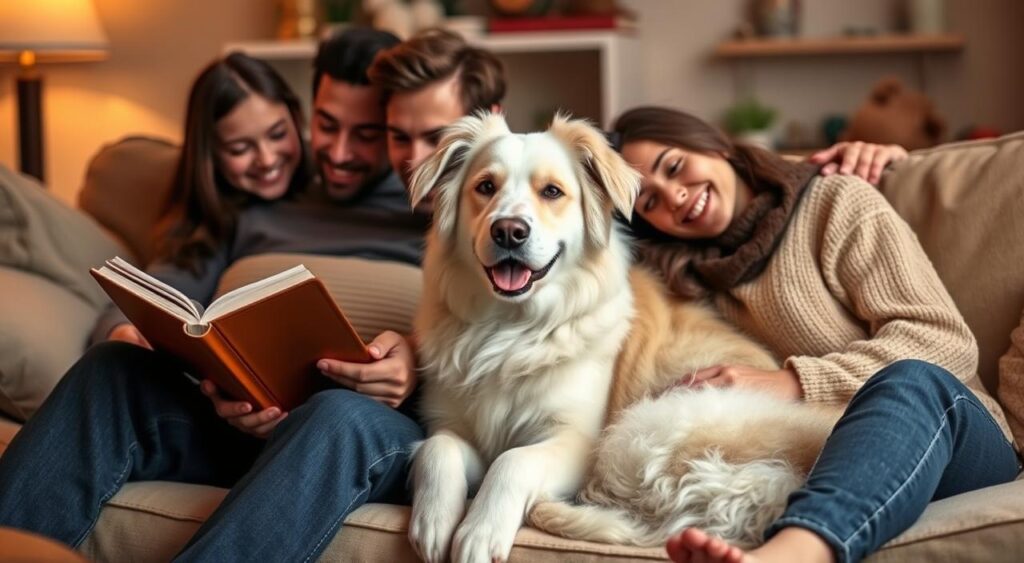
x=1011, y=382
x=43, y=235
x=965, y=201
x=128, y=189
x=42, y=332
x=375, y=295
x=153, y=520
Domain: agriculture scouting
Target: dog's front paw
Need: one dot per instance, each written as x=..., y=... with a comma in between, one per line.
x=483, y=542
x=430, y=532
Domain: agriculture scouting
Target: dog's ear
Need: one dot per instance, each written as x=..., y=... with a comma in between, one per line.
x=616, y=182
x=441, y=173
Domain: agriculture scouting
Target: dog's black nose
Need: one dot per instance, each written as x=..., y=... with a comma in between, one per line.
x=510, y=233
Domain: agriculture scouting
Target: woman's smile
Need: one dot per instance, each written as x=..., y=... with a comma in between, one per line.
x=699, y=208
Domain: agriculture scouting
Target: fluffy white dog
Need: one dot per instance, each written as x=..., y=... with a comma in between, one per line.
x=530, y=308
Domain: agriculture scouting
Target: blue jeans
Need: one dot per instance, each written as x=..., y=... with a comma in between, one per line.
x=911, y=435
x=123, y=413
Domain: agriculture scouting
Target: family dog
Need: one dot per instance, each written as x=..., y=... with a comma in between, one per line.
x=535, y=332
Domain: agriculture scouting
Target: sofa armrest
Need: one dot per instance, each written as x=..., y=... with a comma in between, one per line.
x=127, y=189
x=43, y=331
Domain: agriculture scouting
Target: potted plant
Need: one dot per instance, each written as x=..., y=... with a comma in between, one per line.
x=750, y=122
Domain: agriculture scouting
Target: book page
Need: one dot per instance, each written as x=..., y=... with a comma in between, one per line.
x=144, y=292
x=155, y=286
x=253, y=292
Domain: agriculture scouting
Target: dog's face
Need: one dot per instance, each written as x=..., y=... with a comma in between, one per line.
x=522, y=209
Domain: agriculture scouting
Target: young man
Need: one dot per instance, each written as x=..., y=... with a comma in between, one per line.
x=348, y=137
x=125, y=413
x=430, y=81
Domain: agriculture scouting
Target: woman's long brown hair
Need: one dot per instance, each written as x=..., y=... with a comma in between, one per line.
x=207, y=203
x=758, y=167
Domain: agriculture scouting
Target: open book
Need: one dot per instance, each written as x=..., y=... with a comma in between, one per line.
x=259, y=343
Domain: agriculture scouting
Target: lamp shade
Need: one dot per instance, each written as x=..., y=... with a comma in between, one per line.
x=52, y=29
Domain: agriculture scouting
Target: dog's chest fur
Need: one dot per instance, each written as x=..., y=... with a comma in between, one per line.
x=505, y=384
x=504, y=377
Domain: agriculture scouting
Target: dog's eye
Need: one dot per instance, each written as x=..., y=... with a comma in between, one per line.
x=485, y=188
x=551, y=191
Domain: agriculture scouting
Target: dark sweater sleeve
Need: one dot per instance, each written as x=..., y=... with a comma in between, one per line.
x=197, y=288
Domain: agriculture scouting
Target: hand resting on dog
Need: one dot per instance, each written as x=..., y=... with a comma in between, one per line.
x=782, y=383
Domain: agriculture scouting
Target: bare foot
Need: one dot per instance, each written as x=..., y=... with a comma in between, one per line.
x=694, y=546
x=790, y=544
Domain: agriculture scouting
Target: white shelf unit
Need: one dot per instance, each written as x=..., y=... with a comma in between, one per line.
x=594, y=74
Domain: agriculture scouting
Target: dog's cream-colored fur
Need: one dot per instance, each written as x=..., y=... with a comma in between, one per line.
x=723, y=460
x=518, y=386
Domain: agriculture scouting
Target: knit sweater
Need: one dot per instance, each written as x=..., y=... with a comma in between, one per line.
x=848, y=291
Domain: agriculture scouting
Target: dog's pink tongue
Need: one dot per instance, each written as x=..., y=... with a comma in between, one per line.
x=511, y=276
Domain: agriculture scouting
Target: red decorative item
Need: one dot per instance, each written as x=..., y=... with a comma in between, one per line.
x=556, y=23
x=982, y=132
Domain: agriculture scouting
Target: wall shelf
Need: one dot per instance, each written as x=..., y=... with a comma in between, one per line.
x=880, y=44
x=520, y=42
x=276, y=49
x=534, y=81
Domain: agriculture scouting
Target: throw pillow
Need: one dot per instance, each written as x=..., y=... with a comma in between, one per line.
x=43, y=235
x=42, y=333
x=375, y=295
x=135, y=174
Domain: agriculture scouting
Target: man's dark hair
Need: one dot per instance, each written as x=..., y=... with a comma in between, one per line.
x=347, y=54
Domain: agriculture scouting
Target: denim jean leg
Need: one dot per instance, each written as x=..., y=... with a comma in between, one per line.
x=912, y=434
x=328, y=457
x=121, y=413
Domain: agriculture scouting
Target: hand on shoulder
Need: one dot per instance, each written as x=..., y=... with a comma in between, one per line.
x=866, y=160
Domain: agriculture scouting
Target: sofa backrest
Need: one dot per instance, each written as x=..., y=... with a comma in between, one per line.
x=127, y=189
x=965, y=201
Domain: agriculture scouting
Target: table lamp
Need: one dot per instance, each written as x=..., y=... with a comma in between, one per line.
x=42, y=31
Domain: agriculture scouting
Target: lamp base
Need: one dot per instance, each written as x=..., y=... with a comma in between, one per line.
x=30, y=125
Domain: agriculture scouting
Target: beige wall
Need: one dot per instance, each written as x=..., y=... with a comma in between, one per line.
x=156, y=48
x=158, y=45
x=980, y=85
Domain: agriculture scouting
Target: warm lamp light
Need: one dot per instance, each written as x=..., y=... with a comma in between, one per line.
x=42, y=31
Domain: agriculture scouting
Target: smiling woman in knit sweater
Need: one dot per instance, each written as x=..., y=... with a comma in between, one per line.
x=825, y=273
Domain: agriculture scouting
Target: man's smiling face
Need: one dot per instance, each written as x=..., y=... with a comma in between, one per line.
x=348, y=138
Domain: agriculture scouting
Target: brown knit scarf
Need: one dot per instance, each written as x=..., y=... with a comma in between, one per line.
x=740, y=253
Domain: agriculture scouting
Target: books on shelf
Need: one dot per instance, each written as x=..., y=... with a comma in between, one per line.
x=259, y=343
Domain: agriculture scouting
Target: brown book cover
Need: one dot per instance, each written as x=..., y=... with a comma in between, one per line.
x=261, y=342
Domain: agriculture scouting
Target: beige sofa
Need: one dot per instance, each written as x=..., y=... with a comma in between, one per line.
x=965, y=201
